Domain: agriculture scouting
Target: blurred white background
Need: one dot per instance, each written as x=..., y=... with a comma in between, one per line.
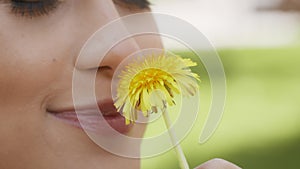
x=235, y=23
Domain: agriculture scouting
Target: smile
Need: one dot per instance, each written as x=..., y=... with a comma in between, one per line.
x=90, y=119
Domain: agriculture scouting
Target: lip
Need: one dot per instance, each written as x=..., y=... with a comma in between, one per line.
x=90, y=119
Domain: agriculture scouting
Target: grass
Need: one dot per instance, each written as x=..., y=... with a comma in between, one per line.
x=260, y=127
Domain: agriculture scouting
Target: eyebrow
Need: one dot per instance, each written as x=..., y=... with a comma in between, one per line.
x=142, y=4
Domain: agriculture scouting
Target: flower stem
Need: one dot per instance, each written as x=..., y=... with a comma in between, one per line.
x=180, y=155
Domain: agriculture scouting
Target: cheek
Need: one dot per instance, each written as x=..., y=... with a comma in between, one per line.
x=149, y=41
x=29, y=67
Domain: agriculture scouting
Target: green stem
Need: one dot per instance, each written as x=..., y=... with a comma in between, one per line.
x=180, y=155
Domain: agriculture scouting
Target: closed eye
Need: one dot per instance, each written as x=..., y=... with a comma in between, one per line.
x=32, y=8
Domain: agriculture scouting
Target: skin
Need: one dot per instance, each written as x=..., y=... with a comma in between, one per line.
x=217, y=164
x=37, y=59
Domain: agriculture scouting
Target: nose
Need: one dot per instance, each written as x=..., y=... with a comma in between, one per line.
x=106, y=48
x=118, y=53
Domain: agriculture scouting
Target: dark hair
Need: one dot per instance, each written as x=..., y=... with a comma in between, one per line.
x=139, y=3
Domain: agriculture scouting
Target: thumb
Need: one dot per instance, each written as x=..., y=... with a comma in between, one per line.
x=218, y=164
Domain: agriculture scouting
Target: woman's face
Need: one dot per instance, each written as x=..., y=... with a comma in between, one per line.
x=39, y=45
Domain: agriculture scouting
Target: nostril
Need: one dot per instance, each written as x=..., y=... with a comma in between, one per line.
x=106, y=71
x=103, y=68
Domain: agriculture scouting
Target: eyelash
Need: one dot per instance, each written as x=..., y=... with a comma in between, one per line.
x=33, y=8
x=27, y=8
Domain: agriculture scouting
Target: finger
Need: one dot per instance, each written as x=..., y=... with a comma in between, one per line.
x=218, y=164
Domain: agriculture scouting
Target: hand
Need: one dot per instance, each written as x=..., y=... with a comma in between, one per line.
x=217, y=164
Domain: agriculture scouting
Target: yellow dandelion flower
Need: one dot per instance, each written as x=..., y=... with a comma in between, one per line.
x=150, y=84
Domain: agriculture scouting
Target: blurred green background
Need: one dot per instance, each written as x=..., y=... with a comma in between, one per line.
x=259, y=45
x=260, y=127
